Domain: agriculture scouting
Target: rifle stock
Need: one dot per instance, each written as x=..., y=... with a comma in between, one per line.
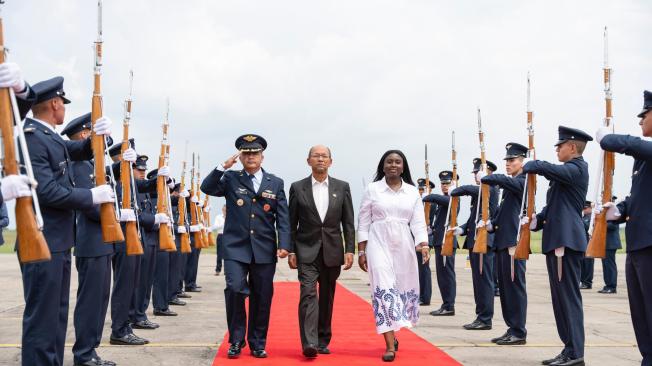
x=32, y=246
x=524, y=235
x=184, y=237
x=481, y=235
x=166, y=242
x=194, y=219
x=448, y=246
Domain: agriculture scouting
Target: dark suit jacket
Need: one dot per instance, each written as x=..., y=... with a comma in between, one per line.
x=310, y=234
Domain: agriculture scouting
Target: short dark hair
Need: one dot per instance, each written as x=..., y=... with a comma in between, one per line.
x=380, y=173
x=579, y=146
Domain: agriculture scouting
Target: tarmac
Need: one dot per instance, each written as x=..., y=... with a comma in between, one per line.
x=193, y=337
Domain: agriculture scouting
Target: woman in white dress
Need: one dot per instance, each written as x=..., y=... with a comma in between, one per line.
x=391, y=225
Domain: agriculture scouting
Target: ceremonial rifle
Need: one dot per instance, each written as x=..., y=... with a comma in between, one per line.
x=426, y=206
x=32, y=246
x=166, y=240
x=185, y=237
x=193, y=208
x=597, y=246
x=481, y=235
x=109, y=220
x=453, y=205
x=201, y=217
x=134, y=245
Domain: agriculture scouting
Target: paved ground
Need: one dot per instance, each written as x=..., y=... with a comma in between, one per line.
x=194, y=336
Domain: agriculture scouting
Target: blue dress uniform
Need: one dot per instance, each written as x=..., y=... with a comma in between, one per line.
x=513, y=294
x=483, y=284
x=46, y=285
x=177, y=257
x=126, y=272
x=561, y=220
x=636, y=210
x=258, y=219
x=191, y=265
x=586, y=272
x=609, y=268
x=445, y=273
x=425, y=274
x=92, y=260
x=149, y=234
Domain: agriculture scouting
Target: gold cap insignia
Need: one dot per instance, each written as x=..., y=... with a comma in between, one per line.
x=250, y=138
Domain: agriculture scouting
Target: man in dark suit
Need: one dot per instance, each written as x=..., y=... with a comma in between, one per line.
x=564, y=238
x=636, y=210
x=46, y=285
x=320, y=211
x=256, y=231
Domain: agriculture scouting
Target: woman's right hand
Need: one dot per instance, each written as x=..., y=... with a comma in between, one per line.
x=362, y=262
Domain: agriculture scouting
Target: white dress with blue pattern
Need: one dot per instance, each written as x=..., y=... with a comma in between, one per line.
x=393, y=223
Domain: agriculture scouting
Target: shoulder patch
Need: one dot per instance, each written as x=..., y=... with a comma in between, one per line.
x=29, y=129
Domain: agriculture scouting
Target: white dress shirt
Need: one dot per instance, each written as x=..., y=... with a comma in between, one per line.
x=256, y=180
x=320, y=195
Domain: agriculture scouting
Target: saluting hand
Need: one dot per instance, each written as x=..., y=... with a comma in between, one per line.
x=231, y=161
x=348, y=261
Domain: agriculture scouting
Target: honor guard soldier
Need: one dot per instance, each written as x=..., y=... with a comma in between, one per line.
x=609, y=268
x=46, y=285
x=483, y=284
x=92, y=260
x=177, y=258
x=586, y=272
x=636, y=210
x=258, y=219
x=564, y=238
x=425, y=274
x=505, y=225
x=445, y=272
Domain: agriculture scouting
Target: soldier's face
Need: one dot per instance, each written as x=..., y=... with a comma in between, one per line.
x=646, y=124
x=513, y=166
x=393, y=166
x=251, y=161
x=565, y=151
x=139, y=174
x=444, y=187
x=59, y=110
x=320, y=159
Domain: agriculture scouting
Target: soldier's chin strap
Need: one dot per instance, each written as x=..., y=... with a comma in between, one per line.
x=559, y=253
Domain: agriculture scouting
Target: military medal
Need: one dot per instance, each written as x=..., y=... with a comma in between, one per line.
x=266, y=207
x=240, y=202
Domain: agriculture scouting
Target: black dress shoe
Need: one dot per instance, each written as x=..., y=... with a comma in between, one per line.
x=323, y=350
x=193, y=289
x=217, y=273
x=96, y=362
x=166, y=312
x=585, y=286
x=442, y=312
x=607, y=290
x=176, y=302
x=183, y=295
x=494, y=340
x=259, y=353
x=128, y=340
x=549, y=361
x=510, y=340
x=145, y=324
x=568, y=361
x=477, y=325
x=310, y=351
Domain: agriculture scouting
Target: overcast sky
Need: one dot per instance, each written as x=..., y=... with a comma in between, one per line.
x=359, y=76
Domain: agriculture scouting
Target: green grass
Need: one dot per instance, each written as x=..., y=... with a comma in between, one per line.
x=10, y=239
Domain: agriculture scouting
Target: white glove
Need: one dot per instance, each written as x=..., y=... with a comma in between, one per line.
x=11, y=77
x=184, y=193
x=200, y=203
x=488, y=224
x=533, y=222
x=511, y=250
x=129, y=155
x=480, y=174
x=194, y=199
x=525, y=220
x=559, y=252
x=103, y=126
x=194, y=228
x=127, y=214
x=181, y=230
x=161, y=218
x=207, y=208
x=613, y=213
x=14, y=186
x=171, y=183
x=457, y=231
x=602, y=132
x=164, y=171
x=102, y=194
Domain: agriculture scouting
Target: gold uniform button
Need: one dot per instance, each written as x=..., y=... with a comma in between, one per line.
x=253, y=200
x=251, y=231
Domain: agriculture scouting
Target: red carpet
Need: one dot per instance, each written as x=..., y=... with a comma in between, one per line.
x=354, y=342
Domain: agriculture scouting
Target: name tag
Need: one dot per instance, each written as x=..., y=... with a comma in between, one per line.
x=269, y=195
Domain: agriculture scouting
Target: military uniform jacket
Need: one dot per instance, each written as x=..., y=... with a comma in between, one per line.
x=51, y=158
x=440, y=210
x=469, y=227
x=146, y=213
x=586, y=220
x=506, y=221
x=257, y=221
x=613, y=236
x=561, y=218
x=636, y=210
x=89, y=242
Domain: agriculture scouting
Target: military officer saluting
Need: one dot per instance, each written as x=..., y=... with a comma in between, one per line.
x=505, y=225
x=258, y=216
x=636, y=210
x=483, y=284
x=445, y=272
x=564, y=238
x=46, y=285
